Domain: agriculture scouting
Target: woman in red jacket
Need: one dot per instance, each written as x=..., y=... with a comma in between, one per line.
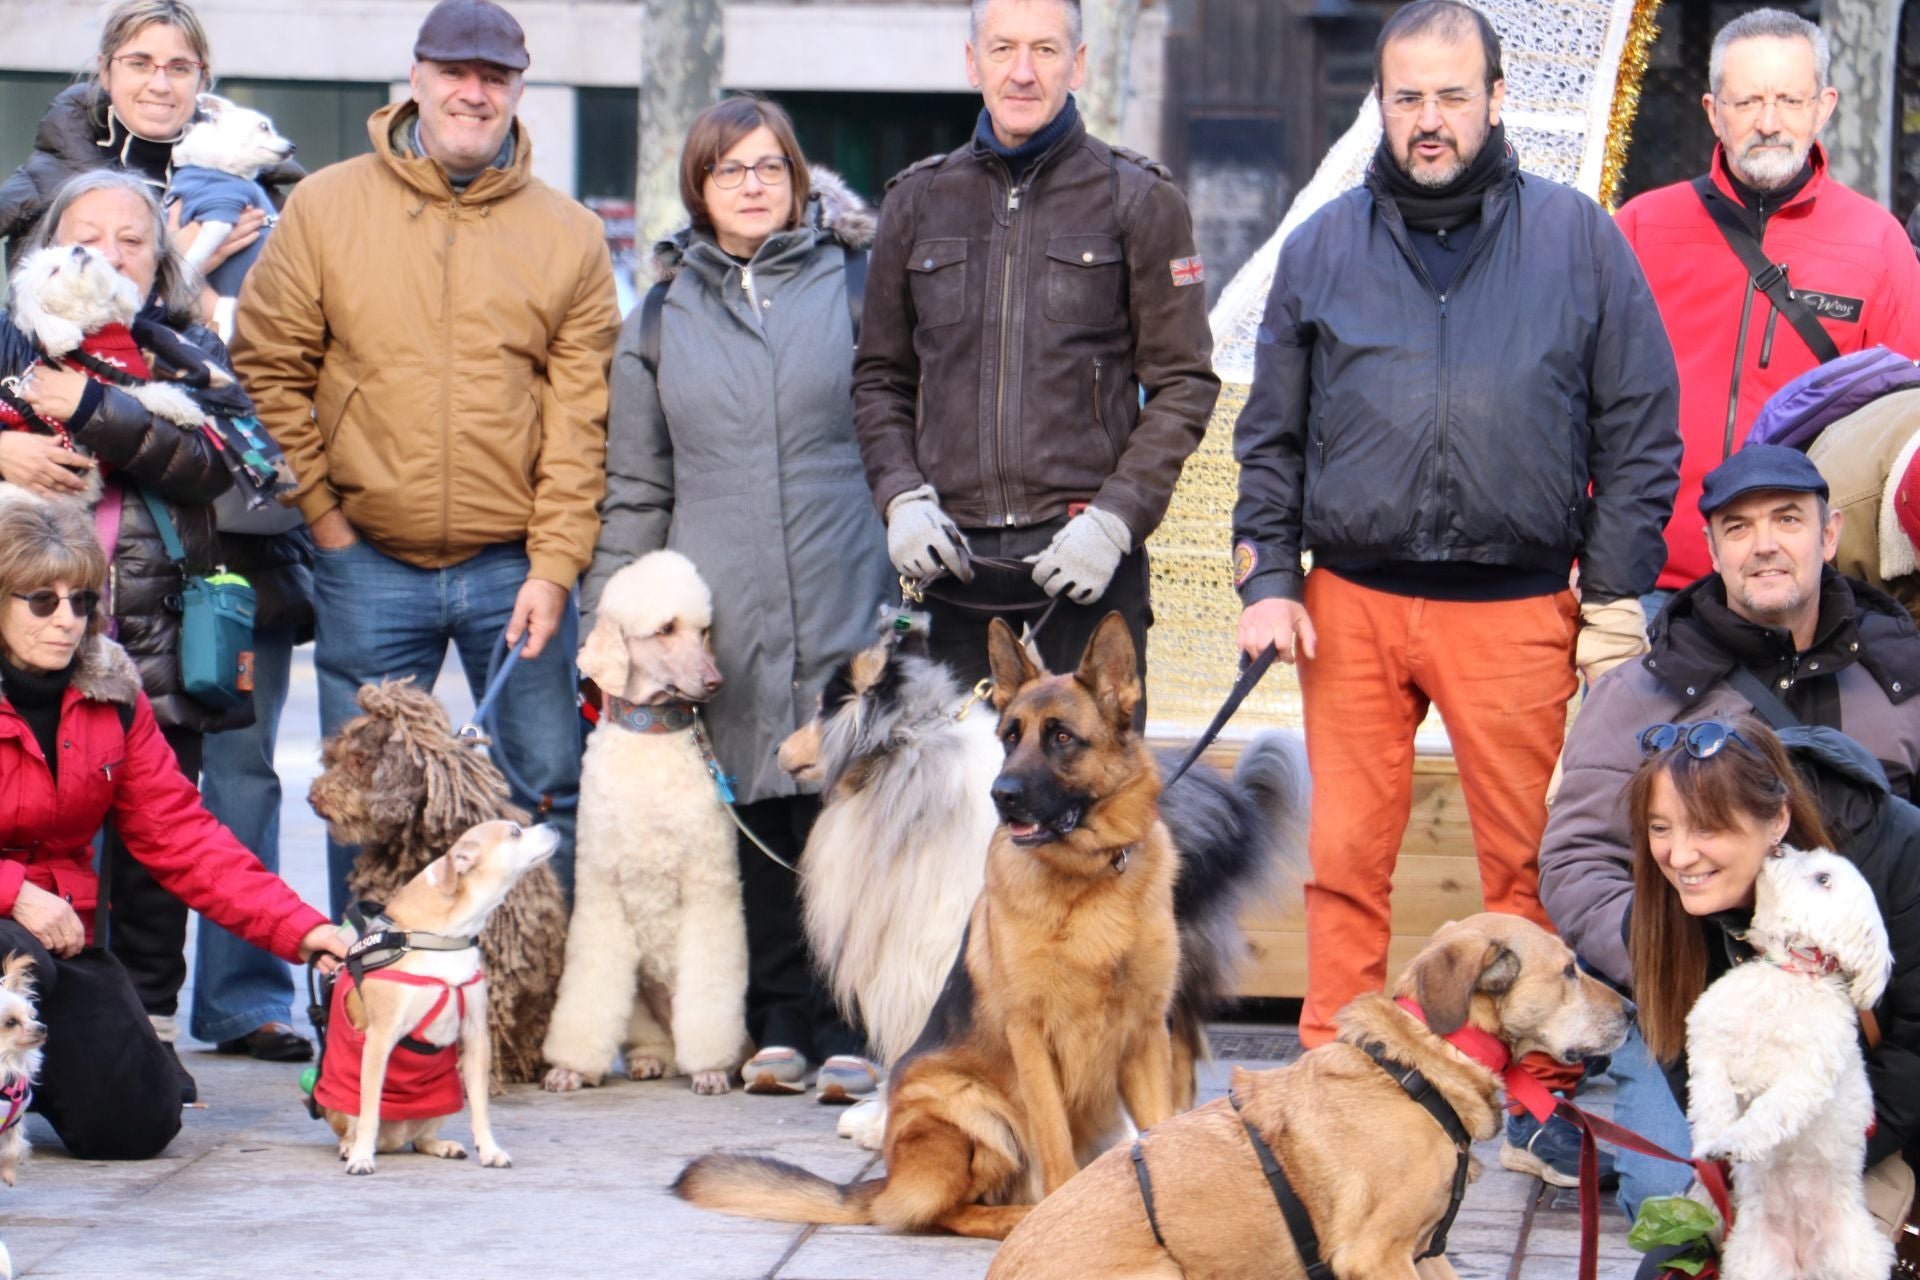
x=78, y=743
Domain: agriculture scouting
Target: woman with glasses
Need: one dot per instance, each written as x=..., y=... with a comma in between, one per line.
x=1711, y=801
x=152, y=65
x=79, y=743
x=730, y=439
x=139, y=455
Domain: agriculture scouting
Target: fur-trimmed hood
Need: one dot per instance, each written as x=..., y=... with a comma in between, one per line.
x=834, y=208
x=105, y=673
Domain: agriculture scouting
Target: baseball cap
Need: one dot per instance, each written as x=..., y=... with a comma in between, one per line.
x=472, y=31
x=1760, y=467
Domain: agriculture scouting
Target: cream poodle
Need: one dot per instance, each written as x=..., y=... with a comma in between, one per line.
x=1776, y=1080
x=657, y=949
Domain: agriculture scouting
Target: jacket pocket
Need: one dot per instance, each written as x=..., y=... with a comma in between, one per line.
x=1086, y=280
x=937, y=277
x=1100, y=419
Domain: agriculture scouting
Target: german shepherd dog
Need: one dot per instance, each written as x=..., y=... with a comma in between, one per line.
x=906, y=764
x=1055, y=1014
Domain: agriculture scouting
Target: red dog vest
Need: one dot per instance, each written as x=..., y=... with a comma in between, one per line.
x=418, y=1086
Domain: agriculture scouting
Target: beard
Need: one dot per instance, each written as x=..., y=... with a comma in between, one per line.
x=1773, y=168
x=1448, y=173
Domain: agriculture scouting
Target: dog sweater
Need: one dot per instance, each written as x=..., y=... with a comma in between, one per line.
x=111, y=345
x=418, y=1086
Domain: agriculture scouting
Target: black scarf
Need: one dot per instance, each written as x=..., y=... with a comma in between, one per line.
x=1441, y=208
x=37, y=696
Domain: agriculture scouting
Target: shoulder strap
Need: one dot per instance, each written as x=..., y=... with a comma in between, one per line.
x=164, y=523
x=1768, y=277
x=650, y=308
x=856, y=286
x=1766, y=704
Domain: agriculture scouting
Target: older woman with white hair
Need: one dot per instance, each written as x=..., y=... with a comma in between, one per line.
x=142, y=456
x=79, y=741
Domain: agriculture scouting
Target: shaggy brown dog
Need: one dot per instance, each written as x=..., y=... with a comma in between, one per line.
x=399, y=784
x=1056, y=1012
x=1372, y=1167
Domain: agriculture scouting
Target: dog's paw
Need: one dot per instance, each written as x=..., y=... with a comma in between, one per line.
x=492, y=1157
x=865, y=1122
x=644, y=1066
x=561, y=1080
x=360, y=1164
x=711, y=1082
x=444, y=1148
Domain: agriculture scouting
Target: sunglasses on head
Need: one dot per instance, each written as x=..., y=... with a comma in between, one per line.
x=43, y=602
x=1703, y=739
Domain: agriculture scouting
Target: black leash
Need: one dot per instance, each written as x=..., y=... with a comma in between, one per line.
x=1250, y=673
x=914, y=592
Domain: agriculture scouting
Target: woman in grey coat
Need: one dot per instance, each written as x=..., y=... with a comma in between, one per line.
x=730, y=439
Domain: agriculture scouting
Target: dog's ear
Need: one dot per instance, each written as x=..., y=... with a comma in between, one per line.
x=1108, y=670
x=1009, y=663
x=16, y=975
x=1446, y=976
x=212, y=105
x=465, y=854
x=603, y=658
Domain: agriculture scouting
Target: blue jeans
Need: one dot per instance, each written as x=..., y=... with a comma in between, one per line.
x=237, y=986
x=1643, y=1103
x=379, y=618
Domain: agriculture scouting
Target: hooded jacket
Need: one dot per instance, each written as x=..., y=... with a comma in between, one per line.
x=1864, y=456
x=114, y=763
x=433, y=362
x=1835, y=243
x=1011, y=328
x=1858, y=676
x=1522, y=418
x=80, y=132
x=742, y=458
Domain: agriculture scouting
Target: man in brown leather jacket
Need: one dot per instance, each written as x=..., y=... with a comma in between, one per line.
x=1024, y=292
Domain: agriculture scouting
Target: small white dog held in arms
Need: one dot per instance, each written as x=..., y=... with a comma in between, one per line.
x=21, y=1038
x=1776, y=1079
x=216, y=171
x=657, y=948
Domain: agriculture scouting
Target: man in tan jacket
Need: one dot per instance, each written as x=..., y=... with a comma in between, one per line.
x=427, y=336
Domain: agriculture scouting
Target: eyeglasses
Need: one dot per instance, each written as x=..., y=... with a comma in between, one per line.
x=1786, y=105
x=728, y=174
x=1703, y=739
x=141, y=66
x=43, y=602
x=1450, y=102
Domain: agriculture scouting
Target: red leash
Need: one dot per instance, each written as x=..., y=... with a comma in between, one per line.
x=1540, y=1103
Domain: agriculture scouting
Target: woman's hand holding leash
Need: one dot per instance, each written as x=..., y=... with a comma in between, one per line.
x=50, y=918
x=1277, y=624
x=42, y=465
x=329, y=942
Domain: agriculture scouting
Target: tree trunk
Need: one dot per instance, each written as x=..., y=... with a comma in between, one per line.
x=681, y=53
x=1108, y=31
x=1859, y=138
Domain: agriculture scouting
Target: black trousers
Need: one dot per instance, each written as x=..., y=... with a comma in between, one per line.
x=147, y=926
x=787, y=1004
x=959, y=636
x=106, y=1084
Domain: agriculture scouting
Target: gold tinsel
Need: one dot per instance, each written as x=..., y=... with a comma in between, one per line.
x=1642, y=30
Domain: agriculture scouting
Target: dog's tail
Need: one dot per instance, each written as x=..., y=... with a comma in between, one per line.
x=1273, y=771
x=757, y=1187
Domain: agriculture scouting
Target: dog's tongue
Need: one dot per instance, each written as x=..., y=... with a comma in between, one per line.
x=1023, y=830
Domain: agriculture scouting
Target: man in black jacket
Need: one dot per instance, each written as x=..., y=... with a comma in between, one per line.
x=1462, y=385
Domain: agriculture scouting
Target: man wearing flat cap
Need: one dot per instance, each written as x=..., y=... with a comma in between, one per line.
x=1774, y=628
x=427, y=336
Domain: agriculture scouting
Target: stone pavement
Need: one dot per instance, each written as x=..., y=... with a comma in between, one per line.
x=252, y=1186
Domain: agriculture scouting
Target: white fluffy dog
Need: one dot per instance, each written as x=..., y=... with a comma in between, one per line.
x=22, y=1036
x=657, y=949
x=1776, y=1079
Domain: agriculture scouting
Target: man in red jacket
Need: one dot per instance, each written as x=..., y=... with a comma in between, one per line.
x=1838, y=263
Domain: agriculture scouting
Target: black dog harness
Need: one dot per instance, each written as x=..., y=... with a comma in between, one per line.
x=1299, y=1223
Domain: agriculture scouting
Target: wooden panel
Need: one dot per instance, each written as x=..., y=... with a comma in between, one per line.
x=1279, y=965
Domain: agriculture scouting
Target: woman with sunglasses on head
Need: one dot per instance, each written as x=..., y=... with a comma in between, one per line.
x=1711, y=801
x=79, y=744
x=140, y=456
x=730, y=439
x=139, y=98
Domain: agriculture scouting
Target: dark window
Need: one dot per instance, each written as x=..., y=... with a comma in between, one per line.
x=327, y=119
x=868, y=137
x=607, y=135
x=24, y=96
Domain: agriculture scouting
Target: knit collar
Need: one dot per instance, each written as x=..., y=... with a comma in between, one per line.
x=1020, y=157
x=1425, y=208
x=32, y=690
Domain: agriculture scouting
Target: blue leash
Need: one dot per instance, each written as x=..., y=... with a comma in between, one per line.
x=481, y=727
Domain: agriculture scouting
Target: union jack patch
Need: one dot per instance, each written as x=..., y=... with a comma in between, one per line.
x=1188, y=270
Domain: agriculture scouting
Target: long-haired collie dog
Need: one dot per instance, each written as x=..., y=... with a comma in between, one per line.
x=21, y=1036
x=906, y=761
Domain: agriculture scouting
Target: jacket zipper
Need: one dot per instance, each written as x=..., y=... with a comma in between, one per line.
x=1739, y=361
x=446, y=390
x=1440, y=455
x=1006, y=321
x=1100, y=416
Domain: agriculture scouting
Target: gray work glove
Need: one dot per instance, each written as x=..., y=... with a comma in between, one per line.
x=922, y=539
x=1082, y=557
